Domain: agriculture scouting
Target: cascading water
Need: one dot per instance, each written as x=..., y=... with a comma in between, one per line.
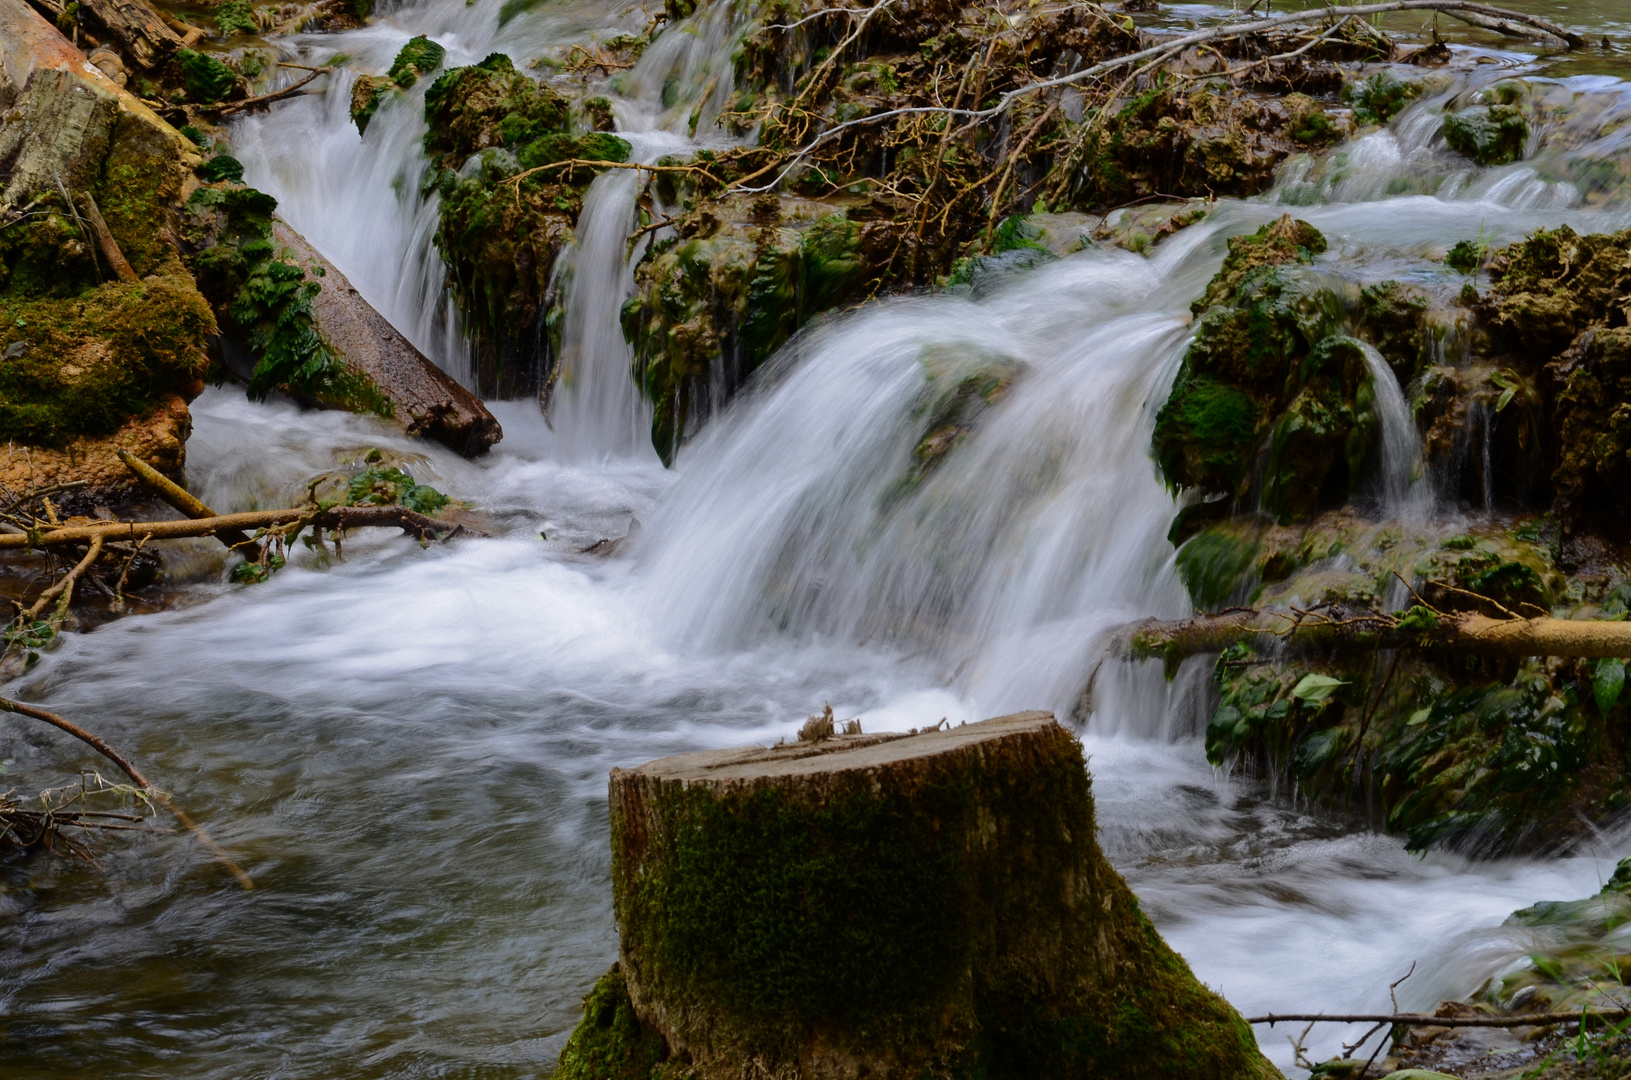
x=930, y=509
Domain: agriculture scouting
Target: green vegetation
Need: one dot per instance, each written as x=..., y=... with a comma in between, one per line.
x=235, y=17
x=206, y=78
x=1488, y=134
x=1379, y=97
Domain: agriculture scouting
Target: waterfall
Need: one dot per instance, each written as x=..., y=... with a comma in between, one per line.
x=1404, y=488
x=596, y=408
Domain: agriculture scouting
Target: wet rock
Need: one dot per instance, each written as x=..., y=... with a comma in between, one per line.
x=996, y=936
x=1488, y=134
x=729, y=293
x=1484, y=757
x=1139, y=228
x=419, y=57
x=1377, y=98
x=1272, y=400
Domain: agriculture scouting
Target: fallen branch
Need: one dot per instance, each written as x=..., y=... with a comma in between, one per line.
x=65, y=587
x=338, y=517
x=105, y=240
x=1461, y=632
x=1425, y=1020
x=130, y=770
x=267, y=99
x=178, y=497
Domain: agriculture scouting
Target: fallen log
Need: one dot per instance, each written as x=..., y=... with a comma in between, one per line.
x=429, y=402
x=141, y=34
x=337, y=517
x=883, y=905
x=1419, y=629
x=1428, y=1020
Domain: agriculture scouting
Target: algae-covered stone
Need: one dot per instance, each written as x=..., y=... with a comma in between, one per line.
x=1377, y=98
x=710, y=307
x=1270, y=400
x=500, y=232
x=1488, y=134
x=419, y=57
x=891, y=905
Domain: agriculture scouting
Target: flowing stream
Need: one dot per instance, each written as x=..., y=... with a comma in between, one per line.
x=408, y=749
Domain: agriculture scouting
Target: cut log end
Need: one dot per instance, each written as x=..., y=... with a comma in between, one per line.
x=892, y=905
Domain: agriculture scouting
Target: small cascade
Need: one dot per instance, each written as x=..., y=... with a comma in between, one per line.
x=596, y=408
x=1404, y=488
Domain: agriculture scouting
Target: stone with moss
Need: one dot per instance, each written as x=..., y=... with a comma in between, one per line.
x=710, y=307
x=419, y=57
x=891, y=905
x=1488, y=134
x=1487, y=757
x=1377, y=98
x=506, y=212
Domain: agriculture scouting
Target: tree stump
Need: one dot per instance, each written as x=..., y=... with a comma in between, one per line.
x=930, y=905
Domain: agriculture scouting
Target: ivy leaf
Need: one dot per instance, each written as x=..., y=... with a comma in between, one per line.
x=1607, y=680
x=1316, y=687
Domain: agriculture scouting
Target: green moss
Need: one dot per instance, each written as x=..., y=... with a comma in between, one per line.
x=221, y=167
x=1378, y=98
x=1488, y=134
x=1206, y=434
x=235, y=17
x=420, y=56
x=86, y=365
x=206, y=78
x=610, y=1043
x=1465, y=256
x=1216, y=565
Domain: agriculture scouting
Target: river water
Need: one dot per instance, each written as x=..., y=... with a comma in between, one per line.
x=408, y=749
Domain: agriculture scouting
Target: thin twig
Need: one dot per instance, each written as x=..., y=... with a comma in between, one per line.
x=159, y=797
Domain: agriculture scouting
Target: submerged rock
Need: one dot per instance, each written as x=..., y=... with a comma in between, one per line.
x=887, y=905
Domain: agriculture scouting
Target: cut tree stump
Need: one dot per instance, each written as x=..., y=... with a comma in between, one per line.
x=887, y=906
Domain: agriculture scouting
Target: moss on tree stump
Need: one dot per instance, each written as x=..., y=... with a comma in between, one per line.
x=888, y=906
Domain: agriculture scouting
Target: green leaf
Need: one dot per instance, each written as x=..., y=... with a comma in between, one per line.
x=1419, y=717
x=1607, y=681
x=1316, y=687
x=1504, y=400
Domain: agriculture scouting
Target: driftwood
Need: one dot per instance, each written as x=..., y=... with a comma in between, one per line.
x=1426, y=630
x=138, y=29
x=337, y=517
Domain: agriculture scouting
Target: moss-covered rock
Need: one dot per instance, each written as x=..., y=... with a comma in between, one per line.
x=1272, y=402
x=1488, y=134
x=90, y=363
x=897, y=906
x=1379, y=97
x=711, y=306
x=500, y=232
x=419, y=57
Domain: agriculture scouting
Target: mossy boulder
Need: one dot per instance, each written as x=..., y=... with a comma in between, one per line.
x=889, y=905
x=1488, y=134
x=419, y=57
x=1271, y=402
x=500, y=232
x=90, y=363
x=711, y=306
x=1379, y=97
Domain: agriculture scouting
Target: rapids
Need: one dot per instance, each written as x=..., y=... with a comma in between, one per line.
x=408, y=749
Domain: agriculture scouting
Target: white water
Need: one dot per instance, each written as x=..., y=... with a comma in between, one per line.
x=408, y=749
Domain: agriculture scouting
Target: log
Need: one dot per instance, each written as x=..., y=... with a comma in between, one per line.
x=139, y=31
x=1468, y=633
x=429, y=402
x=338, y=517
x=888, y=905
